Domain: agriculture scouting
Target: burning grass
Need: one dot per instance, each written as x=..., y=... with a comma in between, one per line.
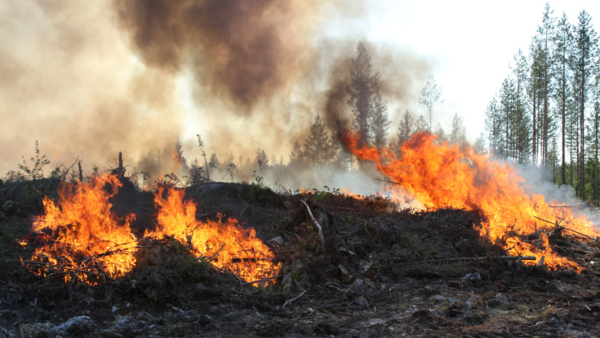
x=225, y=244
x=441, y=175
x=81, y=234
x=80, y=238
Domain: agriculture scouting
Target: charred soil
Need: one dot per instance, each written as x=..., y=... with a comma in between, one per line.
x=381, y=272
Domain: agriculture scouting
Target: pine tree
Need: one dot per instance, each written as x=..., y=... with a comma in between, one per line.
x=430, y=98
x=479, y=146
x=522, y=124
x=361, y=91
x=563, y=47
x=214, y=163
x=342, y=159
x=546, y=31
x=297, y=155
x=584, y=53
x=492, y=125
x=421, y=124
x=381, y=121
x=318, y=147
x=440, y=133
x=535, y=92
x=458, y=133
x=596, y=133
x=404, y=129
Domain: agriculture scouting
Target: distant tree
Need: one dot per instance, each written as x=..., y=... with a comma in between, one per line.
x=229, y=166
x=178, y=155
x=492, y=125
x=342, y=160
x=214, y=162
x=261, y=160
x=596, y=135
x=297, y=155
x=421, y=124
x=381, y=121
x=563, y=48
x=440, y=133
x=535, y=92
x=318, y=147
x=546, y=32
x=458, y=133
x=361, y=90
x=405, y=129
x=479, y=146
x=201, y=145
x=586, y=43
x=522, y=123
x=430, y=98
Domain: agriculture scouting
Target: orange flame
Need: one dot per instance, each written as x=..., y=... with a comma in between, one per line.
x=442, y=175
x=347, y=192
x=82, y=231
x=225, y=243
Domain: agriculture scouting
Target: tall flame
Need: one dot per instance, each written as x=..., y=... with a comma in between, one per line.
x=82, y=231
x=442, y=175
x=225, y=243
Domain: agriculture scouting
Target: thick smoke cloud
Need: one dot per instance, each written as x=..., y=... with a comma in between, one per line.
x=96, y=78
x=69, y=80
x=240, y=50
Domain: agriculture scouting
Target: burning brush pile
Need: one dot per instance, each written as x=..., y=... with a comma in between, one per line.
x=439, y=175
x=473, y=254
x=79, y=238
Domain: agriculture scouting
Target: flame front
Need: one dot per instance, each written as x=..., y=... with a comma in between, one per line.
x=441, y=175
x=82, y=231
x=224, y=243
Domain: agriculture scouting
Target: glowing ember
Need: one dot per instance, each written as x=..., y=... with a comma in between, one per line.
x=441, y=175
x=227, y=245
x=82, y=232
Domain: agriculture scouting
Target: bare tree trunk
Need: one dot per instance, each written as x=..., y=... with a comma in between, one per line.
x=545, y=122
x=563, y=125
x=534, y=139
x=582, y=131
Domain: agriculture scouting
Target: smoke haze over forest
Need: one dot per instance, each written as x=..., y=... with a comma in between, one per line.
x=243, y=74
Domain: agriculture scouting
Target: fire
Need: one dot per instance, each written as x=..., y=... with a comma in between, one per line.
x=224, y=243
x=347, y=192
x=442, y=175
x=82, y=231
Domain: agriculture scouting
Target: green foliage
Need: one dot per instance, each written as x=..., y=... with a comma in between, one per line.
x=37, y=171
x=192, y=266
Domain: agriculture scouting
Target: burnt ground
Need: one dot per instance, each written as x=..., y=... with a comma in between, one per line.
x=382, y=272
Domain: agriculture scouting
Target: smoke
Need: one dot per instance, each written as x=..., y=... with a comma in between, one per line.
x=239, y=50
x=535, y=183
x=69, y=80
x=94, y=78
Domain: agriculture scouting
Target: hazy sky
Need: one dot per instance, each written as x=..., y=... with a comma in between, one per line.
x=472, y=43
x=82, y=89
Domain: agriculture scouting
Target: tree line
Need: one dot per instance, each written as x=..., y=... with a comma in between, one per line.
x=547, y=111
x=370, y=120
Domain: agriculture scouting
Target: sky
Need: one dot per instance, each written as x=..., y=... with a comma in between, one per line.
x=81, y=89
x=472, y=43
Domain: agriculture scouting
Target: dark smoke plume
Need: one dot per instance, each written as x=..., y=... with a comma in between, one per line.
x=241, y=50
x=256, y=72
x=69, y=80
